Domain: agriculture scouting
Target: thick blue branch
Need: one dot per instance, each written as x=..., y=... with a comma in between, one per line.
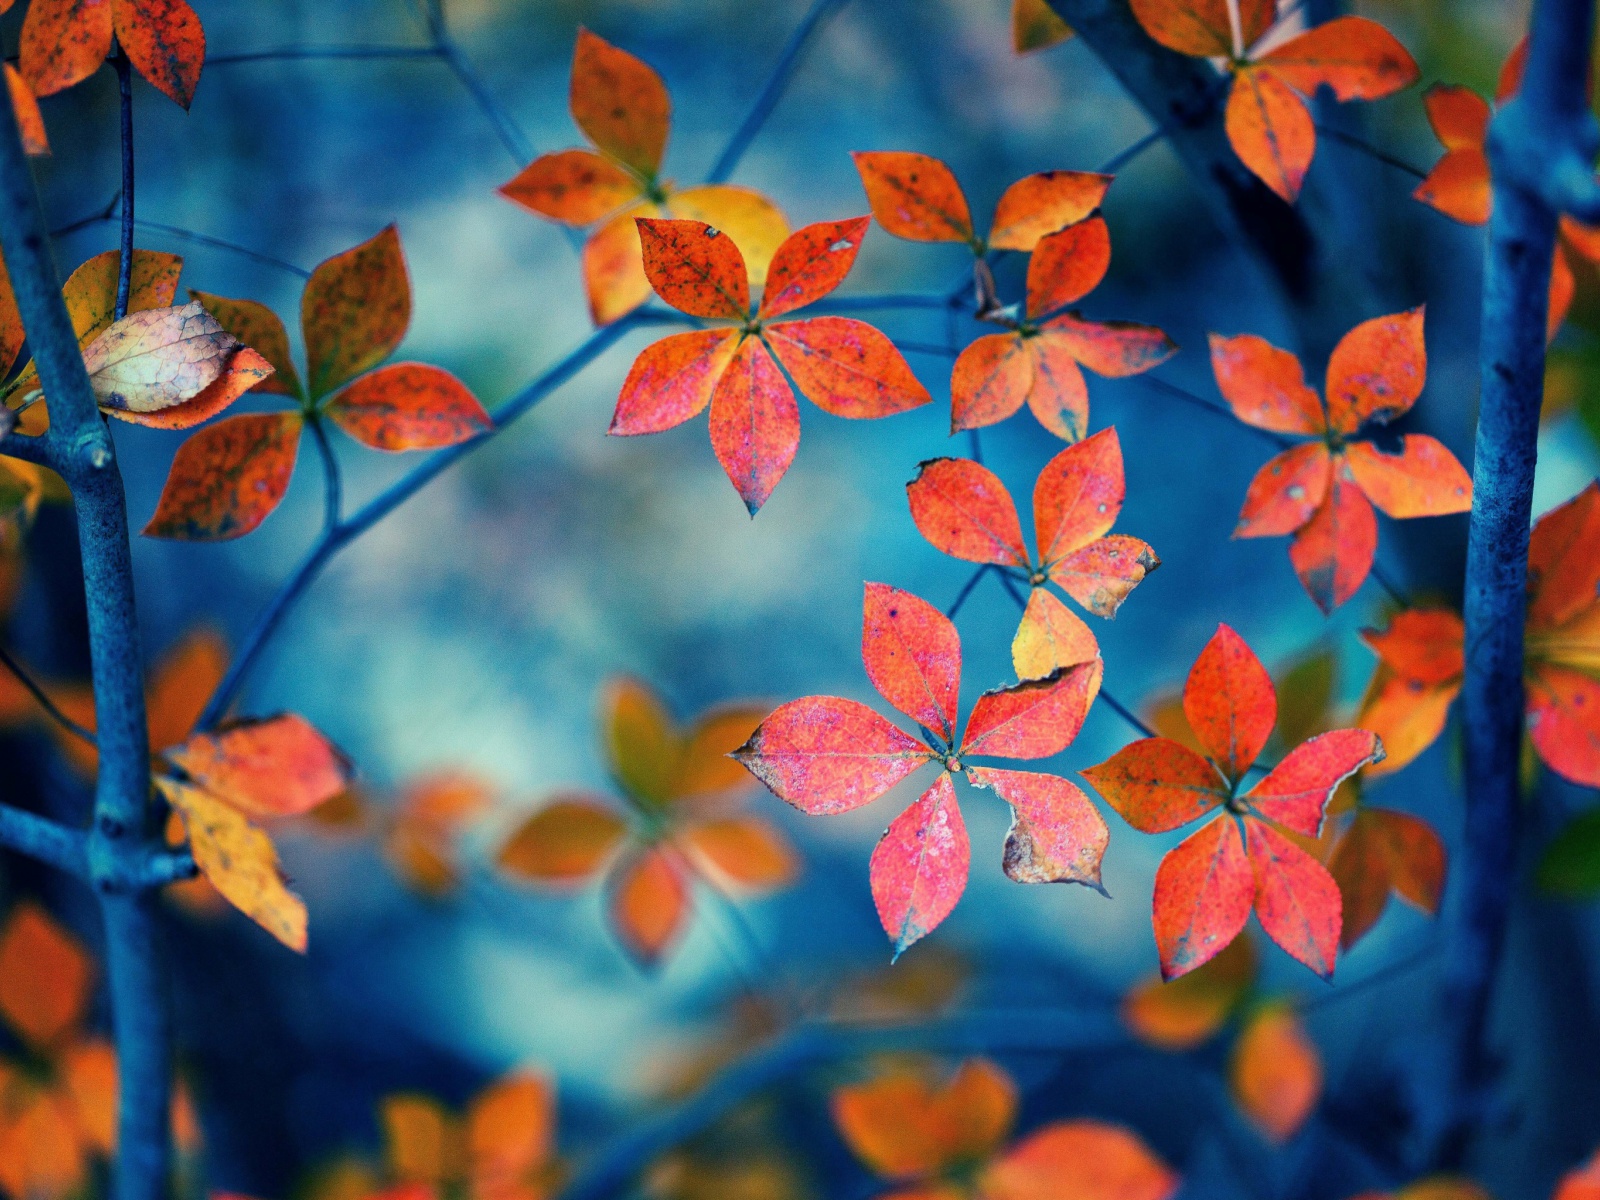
x=43, y=839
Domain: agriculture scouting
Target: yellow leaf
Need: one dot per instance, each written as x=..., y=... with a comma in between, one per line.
x=158, y=358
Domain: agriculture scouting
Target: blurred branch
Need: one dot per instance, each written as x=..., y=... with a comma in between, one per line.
x=189, y=235
x=820, y=1044
x=1371, y=151
x=332, y=486
x=510, y=134
x=772, y=91
x=45, y=840
x=301, y=53
x=43, y=698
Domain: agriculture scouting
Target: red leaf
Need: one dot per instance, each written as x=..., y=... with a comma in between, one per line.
x=991, y=379
x=914, y=196
x=1114, y=349
x=1034, y=719
x=846, y=367
x=164, y=41
x=1384, y=850
x=964, y=510
x=575, y=187
x=620, y=103
x=1359, y=59
x=1099, y=576
x=1459, y=116
x=1564, y=560
x=1078, y=495
x=919, y=867
x=913, y=657
x=227, y=478
x=273, y=767
x=755, y=423
x=649, y=901
x=1157, y=784
x=1270, y=129
x=810, y=264
x=1265, y=386
x=1424, y=644
x=355, y=311
x=1230, y=702
x=1286, y=492
x=1058, y=396
x=672, y=380
x=1377, y=370
x=1295, y=793
x=1057, y=835
x=1459, y=186
x=1037, y=205
x=409, y=406
x=1423, y=480
x=827, y=755
x=1068, y=265
x=1564, y=722
x=1203, y=894
x=30, y=124
x=1295, y=897
x=1332, y=553
x=63, y=42
x=695, y=268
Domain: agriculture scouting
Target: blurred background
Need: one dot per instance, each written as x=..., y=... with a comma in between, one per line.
x=473, y=630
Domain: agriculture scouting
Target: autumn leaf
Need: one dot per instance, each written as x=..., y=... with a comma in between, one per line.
x=423, y=827
x=1040, y=363
x=501, y=1146
x=1189, y=1010
x=1384, y=851
x=409, y=406
x=45, y=977
x=158, y=358
x=30, y=121
x=823, y=754
x=65, y=41
x=844, y=366
x=1275, y=1072
x=1238, y=860
x=266, y=767
x=227, y=478
x=1323, y=492
x=164, y=41
x=355, y=311
x=1035, y=25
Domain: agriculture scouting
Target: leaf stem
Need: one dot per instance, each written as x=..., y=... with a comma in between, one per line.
x=43, y=698
x=123, y=67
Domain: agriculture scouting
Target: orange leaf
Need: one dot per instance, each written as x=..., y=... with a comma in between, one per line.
x=1034, y=719
x=1111, y=348
x=510, y=1133
x=991, y=379
x=914, y=196
x=355, y=311
x=1295, y=897
x=40, y=1150
x=754, y=223
x=1230, y=702
x=1459, y=116
x=1084, y=1159
x=1056, y=836
x=88, y=1072
x=259, y=328
x=1265, y=385
x=1037, y=205
x=746, y=852
x=1423, y=480
x=91, y=290
x=620, y=103
x=1286, y=492
x=1049, y=638
x=1203, y=28
x=1276, y=1073
x=422, y=1140
x=1100, y=576
x=641, y=743
x=1357, y=58
x=1058, y=396
x=695, y=268
x=575, y=187
x=12, y=334
x=244, y=370
x=755, y=423
x=1459, y=187
x=827, y=755
x=913, y=657
x=648, y=904
x=1582, y=1182
x=227, y=478
x=1078, y=496
x=1384, y=850
x=30, y=122
x=269, y=767
x=164, y=41
x=706, y=767
x=905, y=1127
x=240, y=861
x=45, y=977
x=920, y=864
x=1156, y=784
x=1067, y=265
x=1035, y=25
x=963, y=509
x=810, y=264
x=846, y=367
x=1563, y=563
x=63, y=42
x=1296, y=792
x=566, y=841
x=1186, y=1012
x=1203, y=894
x=1270, y=129
x=181, y=685
x=672, y=380
x=1406, y=714
x=409, y=406
x=1332, y=552
x=1377, y=370
x=1564, y=721
x=613, y=271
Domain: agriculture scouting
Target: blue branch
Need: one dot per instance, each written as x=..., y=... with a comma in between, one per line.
x=41, y=838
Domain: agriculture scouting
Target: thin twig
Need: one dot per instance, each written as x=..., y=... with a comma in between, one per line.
x=1367, y=148
x=509, y=133
x=1127, y=714
x=293, y=53
x=1123, y=157
x=772, y=91
x=332, y=488
x=178, y=231
x=1177, y=393
x=1373, y=979
x=39, y=694
x=966, y=590
x=1387, y=583
x=125, y=264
